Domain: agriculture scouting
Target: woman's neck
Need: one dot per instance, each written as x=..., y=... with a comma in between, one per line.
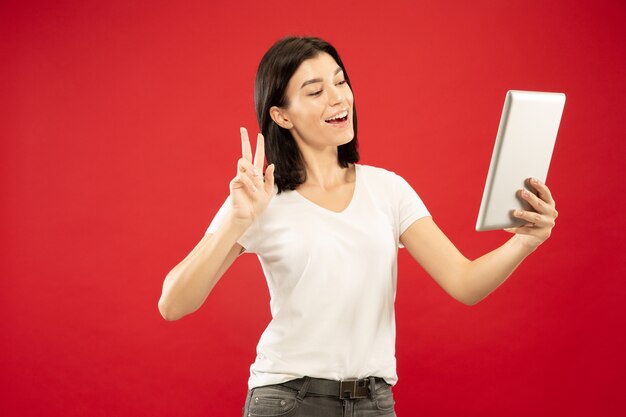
x=323, y=170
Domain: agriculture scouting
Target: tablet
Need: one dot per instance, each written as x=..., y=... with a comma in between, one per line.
x=524, y=143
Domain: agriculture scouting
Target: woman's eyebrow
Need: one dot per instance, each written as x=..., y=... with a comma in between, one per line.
x=319, y=80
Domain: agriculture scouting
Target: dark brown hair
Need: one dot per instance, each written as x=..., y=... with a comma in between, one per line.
x=275, y=70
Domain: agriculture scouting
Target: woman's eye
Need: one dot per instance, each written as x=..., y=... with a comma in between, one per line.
x=341, y=82
x=317, y=93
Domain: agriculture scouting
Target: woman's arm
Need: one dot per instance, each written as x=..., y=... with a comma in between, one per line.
x=471, y=281
x=189, y=283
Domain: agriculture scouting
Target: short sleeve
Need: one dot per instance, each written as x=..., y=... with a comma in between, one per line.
x=409, y=205
x=246, y=240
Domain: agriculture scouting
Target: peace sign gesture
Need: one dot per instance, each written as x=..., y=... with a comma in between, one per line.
x=250, y=192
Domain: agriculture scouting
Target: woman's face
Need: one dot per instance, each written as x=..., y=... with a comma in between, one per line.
x=319, y=110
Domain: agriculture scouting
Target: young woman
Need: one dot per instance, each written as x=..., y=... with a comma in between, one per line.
x=327, y=231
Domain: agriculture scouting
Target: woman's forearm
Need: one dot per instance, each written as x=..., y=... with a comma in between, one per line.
x=485, y=274
x=189, y=283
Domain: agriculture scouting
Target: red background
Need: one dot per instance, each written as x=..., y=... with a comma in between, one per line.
x=119, y=125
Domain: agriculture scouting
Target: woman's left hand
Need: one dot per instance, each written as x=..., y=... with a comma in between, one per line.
x=539, y=224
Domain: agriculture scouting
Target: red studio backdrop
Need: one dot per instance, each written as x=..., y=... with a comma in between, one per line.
x=119, y=127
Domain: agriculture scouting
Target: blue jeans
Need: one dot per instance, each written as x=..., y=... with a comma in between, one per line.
x=281, y=401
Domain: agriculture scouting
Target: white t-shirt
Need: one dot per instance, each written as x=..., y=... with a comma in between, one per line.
x=332, y=280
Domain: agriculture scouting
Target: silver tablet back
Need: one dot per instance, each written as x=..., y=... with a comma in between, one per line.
x=524, y=143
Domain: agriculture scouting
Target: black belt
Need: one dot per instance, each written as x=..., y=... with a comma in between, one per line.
x=348, y=388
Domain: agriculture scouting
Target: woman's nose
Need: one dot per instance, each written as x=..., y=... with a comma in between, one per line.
x=335, y=95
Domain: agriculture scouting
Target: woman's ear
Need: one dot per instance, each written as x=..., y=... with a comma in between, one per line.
x=280, y=118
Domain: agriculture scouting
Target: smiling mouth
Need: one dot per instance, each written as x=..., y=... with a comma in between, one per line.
x=340, y=118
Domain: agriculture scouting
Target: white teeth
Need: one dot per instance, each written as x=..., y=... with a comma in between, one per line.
x=339, y=116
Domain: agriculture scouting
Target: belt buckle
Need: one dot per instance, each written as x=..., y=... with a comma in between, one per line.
x=353, y=388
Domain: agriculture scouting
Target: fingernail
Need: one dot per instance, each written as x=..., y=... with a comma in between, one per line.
x=525, y=193
x=256, y=173
x=534, y=180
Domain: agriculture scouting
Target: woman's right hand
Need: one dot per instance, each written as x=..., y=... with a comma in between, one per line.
x=250, y=193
